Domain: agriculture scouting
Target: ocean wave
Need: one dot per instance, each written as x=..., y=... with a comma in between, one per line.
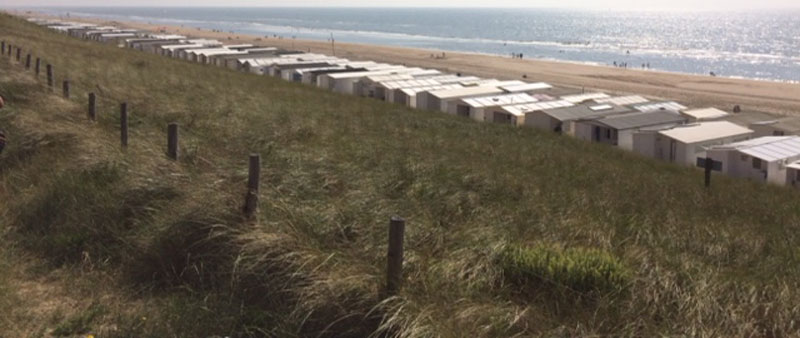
x=633, y=48
x=587, y=45
x=590, y=51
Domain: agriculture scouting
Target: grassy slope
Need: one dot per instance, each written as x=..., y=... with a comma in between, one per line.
x=719, y=262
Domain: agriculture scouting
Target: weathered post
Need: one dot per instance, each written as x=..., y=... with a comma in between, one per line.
x=38, y=66
x=254, y=175
x=172, y=141
x=92, y=107
x=50, y=76
x=708, y=166
x=123, y=124
x=28, y=62
x=19, y=54
x=65, y=88
x=3, y=44
x=394, y=269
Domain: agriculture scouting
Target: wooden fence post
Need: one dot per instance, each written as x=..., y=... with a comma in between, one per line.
x=254, y=175
x=123, y=124
x=394, y=269
x=709, y=164
x=38, y=66
x=19, y=54
x=50, y=76
x=3, y=43
x=92, y=107
x=65, y=88
x=28, y=62
x=172, y=141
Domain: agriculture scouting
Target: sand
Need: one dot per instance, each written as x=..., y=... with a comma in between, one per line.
x=692, y=90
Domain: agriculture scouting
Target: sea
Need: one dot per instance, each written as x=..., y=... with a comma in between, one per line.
x=762, y=45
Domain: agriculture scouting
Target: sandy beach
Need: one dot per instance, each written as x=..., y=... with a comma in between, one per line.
x=691, y=90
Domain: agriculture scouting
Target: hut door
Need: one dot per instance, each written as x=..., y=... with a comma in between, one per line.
x=673, y=147
x=463, y=110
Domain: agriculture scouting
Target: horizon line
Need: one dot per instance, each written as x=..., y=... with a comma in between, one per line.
x=796, y=7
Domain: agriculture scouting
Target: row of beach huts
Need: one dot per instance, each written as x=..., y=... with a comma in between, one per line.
x=751, y=145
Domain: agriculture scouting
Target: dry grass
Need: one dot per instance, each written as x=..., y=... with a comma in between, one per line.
x=722, y=262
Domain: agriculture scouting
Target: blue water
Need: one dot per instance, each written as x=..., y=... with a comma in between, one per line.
x=759, y=45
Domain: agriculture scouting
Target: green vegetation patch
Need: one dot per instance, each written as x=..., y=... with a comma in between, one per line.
x=86, y=212
x=578, y=269
x=80, y=323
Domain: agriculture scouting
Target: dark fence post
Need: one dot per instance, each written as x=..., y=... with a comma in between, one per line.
x=123, y=124
x=3, y=43
x=28, y=61
x=708, y=166
x=19, y=54
x=254, y=175
x=50, y=76
x=38, y=65
x=92, y=107
x=394, y=270
x=172, y=141
x=66, y=89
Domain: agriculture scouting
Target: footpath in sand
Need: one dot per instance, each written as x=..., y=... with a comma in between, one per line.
x=692, y=90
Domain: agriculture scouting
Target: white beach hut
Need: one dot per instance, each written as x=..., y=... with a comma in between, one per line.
x=115, y=37
x=628, y=100
x=282, y=68
x=581, y=98
x=439, y=100
x=762, y=159
x=461, y=80
x=562, y=119
x=476, y=107
x=344, y=82
x=686, y=143
x=704, y=114
x=779, y=127
x=618, y=130
x=516, y=114
x=393, y=89
x=528, y=88
x=231, y=61
x=296, y=75
x=310, y=77
x=372, y=86
x=366, y=86
x=408, y=96
x=665, y=105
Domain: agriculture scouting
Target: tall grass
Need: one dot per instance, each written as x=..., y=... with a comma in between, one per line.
x=718, y=262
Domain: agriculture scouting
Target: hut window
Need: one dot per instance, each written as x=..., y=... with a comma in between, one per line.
x=756, y=163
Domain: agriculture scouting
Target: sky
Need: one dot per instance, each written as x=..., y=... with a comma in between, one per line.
x=593, y=4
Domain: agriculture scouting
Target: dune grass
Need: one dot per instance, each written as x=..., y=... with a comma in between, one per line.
x=688, y=261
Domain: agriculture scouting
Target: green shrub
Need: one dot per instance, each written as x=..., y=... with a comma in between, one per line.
x=578, y=269
x=87, y=211
x=80, y=323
